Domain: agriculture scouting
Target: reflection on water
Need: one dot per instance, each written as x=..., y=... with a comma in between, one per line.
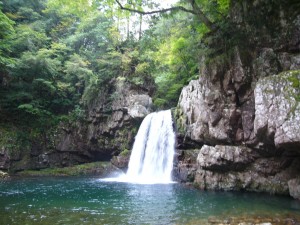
x=91, y=201
x=151, y=204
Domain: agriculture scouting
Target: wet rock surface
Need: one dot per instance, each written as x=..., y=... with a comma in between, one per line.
x=121, y=162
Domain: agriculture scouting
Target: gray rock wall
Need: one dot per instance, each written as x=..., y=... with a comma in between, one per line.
x=244, y=121
x=111, y=125
x=277, y=110
x=242, y=168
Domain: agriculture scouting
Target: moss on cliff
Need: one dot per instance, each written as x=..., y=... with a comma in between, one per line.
x=8, y=139
x=294, y=77
x=179, y=119
x=96, y=168
x=13, y=141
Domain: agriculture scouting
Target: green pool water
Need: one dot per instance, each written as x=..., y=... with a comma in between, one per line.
x=91, y=201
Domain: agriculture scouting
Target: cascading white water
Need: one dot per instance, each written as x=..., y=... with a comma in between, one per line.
x=151, y=159
x=152, y=155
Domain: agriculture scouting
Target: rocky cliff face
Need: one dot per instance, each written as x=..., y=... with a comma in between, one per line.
x=109, y=128
x=111, y=124
x=243, y=119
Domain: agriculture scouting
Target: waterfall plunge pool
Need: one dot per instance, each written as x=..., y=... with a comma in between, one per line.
x=88, y=200
x=134, y=200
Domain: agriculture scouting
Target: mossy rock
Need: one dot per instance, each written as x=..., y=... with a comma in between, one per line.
x=292, y=76
x=180, y=120
x=3, y=175
x=125, y=153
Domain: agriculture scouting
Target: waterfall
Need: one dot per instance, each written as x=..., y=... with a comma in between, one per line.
x=152, y=155
x=151, y=159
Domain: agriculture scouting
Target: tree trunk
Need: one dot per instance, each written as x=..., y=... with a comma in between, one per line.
x=140, y=28
x=204, y=19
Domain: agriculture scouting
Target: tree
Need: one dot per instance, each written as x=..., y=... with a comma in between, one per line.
x=175, y=54
x=6, y=29
x=195, y=10
x=79, y=8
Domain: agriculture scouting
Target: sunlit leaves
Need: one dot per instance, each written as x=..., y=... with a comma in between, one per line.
x=77, y=68
x=176, y=55
x=202, y=30
x=39, y=74
x=142, y=68
x=26, y=38
x=6, y=25
x=79, y=8
x=31, y=69
x=61, y=26
x=92, y=35
x=67, y=50
x=216, y=10
x=26, y=14
x=6, y=29
x=30, y=108
x=63, y=55
x=79, y=75
x=223, y=6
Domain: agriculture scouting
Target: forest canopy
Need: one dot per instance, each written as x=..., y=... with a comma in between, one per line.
x=56, y=55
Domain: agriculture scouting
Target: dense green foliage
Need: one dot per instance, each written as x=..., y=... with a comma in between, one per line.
x=176, y=57
x=56, y=55
x=51, y=59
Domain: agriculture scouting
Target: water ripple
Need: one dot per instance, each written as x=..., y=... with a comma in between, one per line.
x=90, y=201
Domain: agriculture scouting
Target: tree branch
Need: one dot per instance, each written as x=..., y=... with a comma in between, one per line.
x=175, y=8
x=196, y=11
x=202, y=16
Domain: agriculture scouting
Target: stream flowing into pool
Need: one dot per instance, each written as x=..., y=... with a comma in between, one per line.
x=88, y=200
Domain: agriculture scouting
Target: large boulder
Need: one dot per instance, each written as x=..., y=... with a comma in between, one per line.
x=139, y=105
x=277, y=110
x=225, y=158
x=242, y=168
x=270, y=162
